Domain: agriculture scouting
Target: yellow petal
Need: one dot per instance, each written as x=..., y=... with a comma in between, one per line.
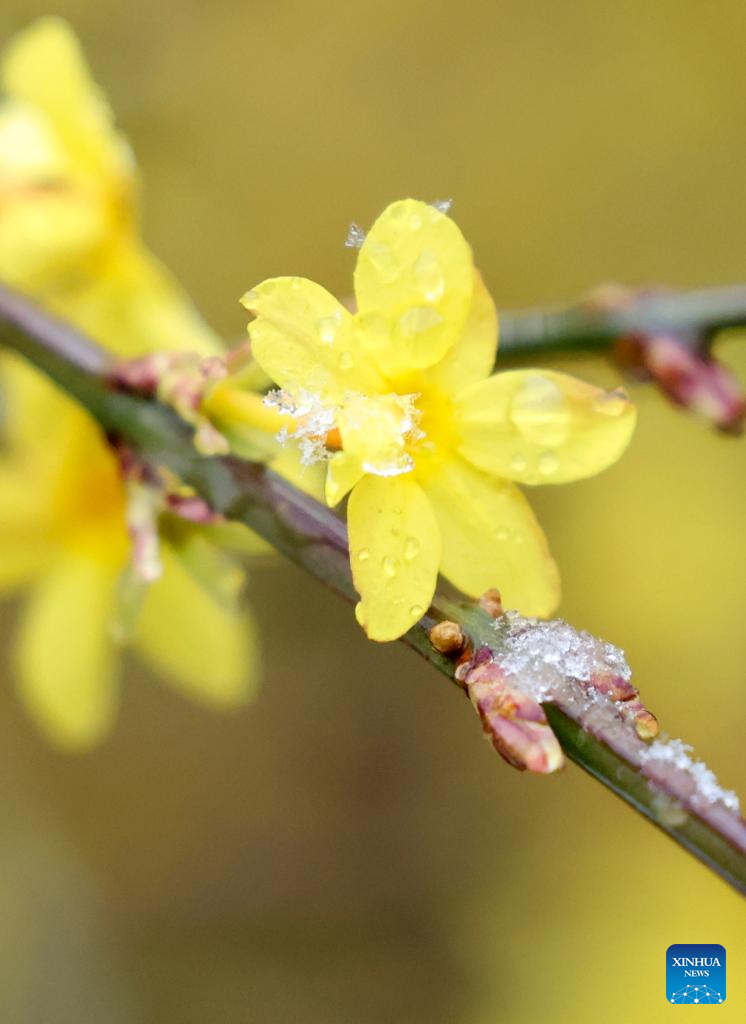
x=492, y=539
x=206, y=650
x=33, y=407
x=394, y=554
x=50, y=221
x=65, y=656
x=343, y=472
x=133, y=306
x=44, y=67
x=374, y=432
x=231, y=535
x=542, y=427
x=309, y=479
x=473, y=356
x=303, y=338
x=413, y=283
x=24, y=529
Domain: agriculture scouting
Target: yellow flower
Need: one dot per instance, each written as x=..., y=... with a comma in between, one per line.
x=399, y=399
x=63, y=537
x=68, y=236
x=69, y=231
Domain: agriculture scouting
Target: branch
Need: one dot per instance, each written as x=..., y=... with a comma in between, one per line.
x=614, y=312
x=593, y=719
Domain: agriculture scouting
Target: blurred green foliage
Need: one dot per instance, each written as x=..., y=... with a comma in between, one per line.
x=348, y=849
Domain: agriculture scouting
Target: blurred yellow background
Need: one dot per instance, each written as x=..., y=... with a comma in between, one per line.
x=348, y=849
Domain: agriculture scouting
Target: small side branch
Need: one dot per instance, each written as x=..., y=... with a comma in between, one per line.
x=612, y=312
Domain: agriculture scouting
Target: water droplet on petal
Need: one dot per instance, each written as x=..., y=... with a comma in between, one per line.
x=328, y=327
x=250, y=298
x=346, y=361
x=429, y=276
x=415, y=222
x=549, y=463
x=411, y=548
x=390, y=566
x=382, y=258
x=517, y=537
x=502, y=533
x=540, y=412
x=363, y=555
x=517, y=463
x=295, y=283
x=611, y=403
x=416, y=611
x=419, y=319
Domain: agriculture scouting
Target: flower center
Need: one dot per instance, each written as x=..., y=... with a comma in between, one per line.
x=377, y=430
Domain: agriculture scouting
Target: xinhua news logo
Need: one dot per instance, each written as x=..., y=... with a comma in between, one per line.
x=695, y=973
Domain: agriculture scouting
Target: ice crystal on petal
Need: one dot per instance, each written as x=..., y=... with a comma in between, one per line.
x=355, y=236
x=443, y=205
x=679, y=755
x=313, y=421
x=404, y=463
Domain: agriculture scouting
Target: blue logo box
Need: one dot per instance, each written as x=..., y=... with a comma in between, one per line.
x=695, y=974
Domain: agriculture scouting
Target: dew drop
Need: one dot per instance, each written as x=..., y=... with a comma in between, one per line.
x=610, y=403
x=517, y=537
x=502, y=533
x=411, y=548
x=250, y=298
x=549, y=463
x=390, y=566
x=295, y=283
x=346, y=361
x=668, y=810
x=415, y=222
x=419, y=319
x=328, y=327
x=429, y=276
x=539, y=411
x=363, y=555
x=416, y=611
x=517, y=463
x=382, y=258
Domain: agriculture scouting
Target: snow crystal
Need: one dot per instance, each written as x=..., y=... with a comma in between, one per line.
x=679, y=755
x=443, y=205
x=543, y=655
x=543, y=659
x=355, y=236
x=313, y=419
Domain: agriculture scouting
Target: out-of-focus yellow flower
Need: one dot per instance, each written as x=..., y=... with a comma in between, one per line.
x=399, y=399
x=63, y=536
x=69, y=232
x=69, y=237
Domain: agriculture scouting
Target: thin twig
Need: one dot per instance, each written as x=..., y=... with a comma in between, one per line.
x=610, y=313
x=313, y=537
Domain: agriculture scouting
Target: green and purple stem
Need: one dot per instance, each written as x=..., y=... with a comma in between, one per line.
x=594, y=730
